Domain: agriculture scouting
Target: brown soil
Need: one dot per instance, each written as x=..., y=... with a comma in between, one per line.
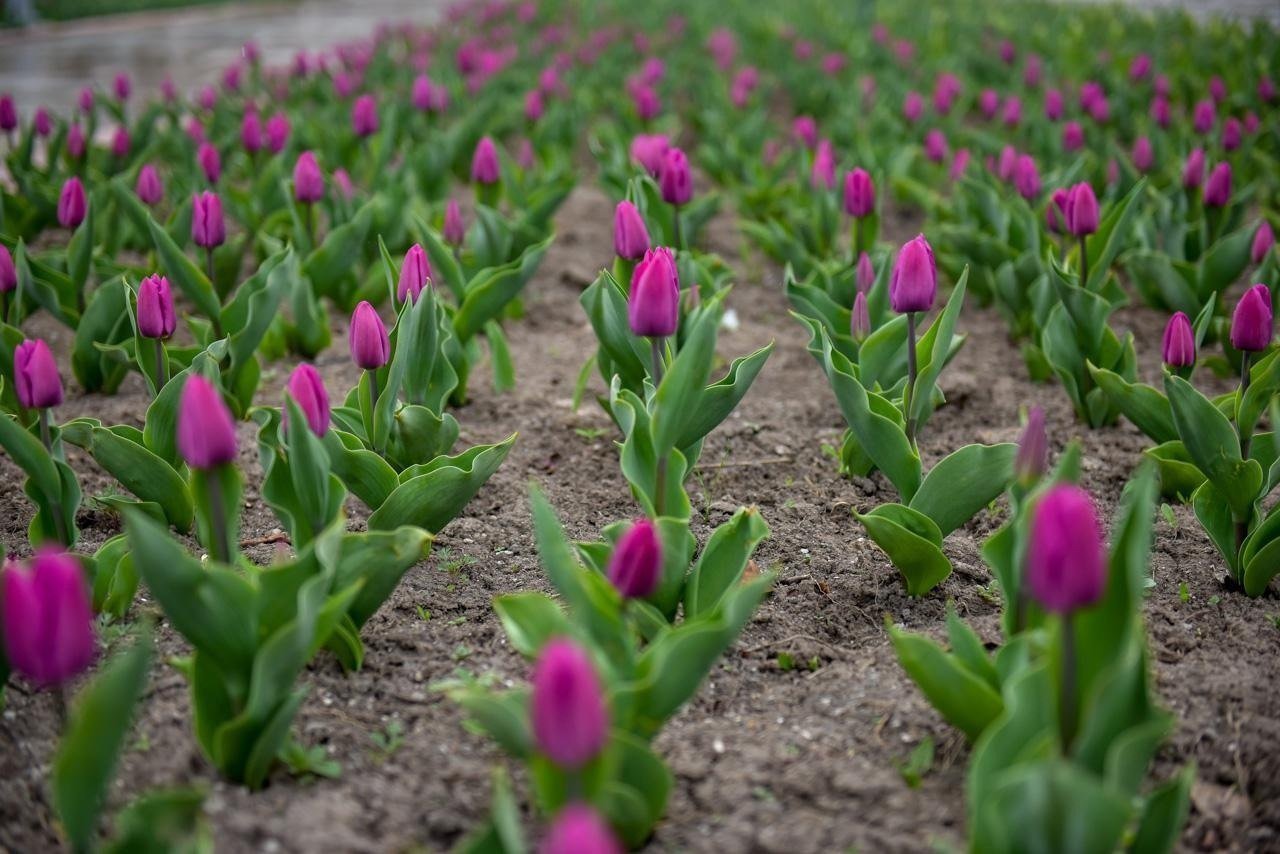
x=765, y=758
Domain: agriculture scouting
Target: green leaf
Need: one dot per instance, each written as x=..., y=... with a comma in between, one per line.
x=963, y=483
x=960, y=695
x=1213, y=445
x=530, y=620
x=722, y=562
x=913, y=543
x=934, y=359
x=1145, y=406
x=145, y=475
x=430, y=496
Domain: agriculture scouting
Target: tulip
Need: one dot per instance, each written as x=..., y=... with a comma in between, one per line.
x=1055, y=213
x=1204, y=117
x=959, y=163
x=415, y=274
x=35, y=375
x=534, y=106
x=860, y=318
x=935, y=146
x=120, y=143
x=364, y=116
x=251, y=132
x=569, y=716
x=307, y=390
x=149, y=188
x=1082, y=210
x=1231, y=134
x=1160, y=112
x=1251, y=323
x=650, y=150
x=1012, y=112
x=1026, y=178
x=308, y=180
x=1143, y=156
x=1072, y=136
x=86, y=99
x=912, y=107
x=123, y=86
x=912, y=289
x=1178, y=349
x=210, y=162
x=156, y=318
x=1140, y=67
x=168, y=90
x=630, y=236
x=9, y=273
x=646, y=101
x=1217, y=190
x=206, y=432
x=370, y=347
x=48, y=619
x=1008, y=53
x=484, y=163
x=1006, y=163
x=1193, y=171
x=8, y=114
x=342, y=181
x=1053, y=105
x=1266, y=89
x=43, y=122
x=421, y=94
x=72, y=205
x=1032, y=459
x=277, y=132
x=805, y=130
x=674, y=178
x=75, y=141
x=579, y=829
x=1032, y=72
x=455, y=231
x=208, y=228
x=1217, y=89
x=1263, y=239
x=988, y=103
x=866, y=274
x=653, y=306
x=635, y=567
x=823, y=173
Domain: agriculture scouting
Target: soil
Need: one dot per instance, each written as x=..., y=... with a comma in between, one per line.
x=766, y=758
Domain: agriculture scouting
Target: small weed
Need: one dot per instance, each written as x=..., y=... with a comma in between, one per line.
x=309, y=761
x=1167, y=512
x=1183, y=593
x=454, y=564
x=1214, y=600
x=423, y=614
x=918, y=763
x=590, y=434
x=461, y=652
x=388, y=740
x=786, y=662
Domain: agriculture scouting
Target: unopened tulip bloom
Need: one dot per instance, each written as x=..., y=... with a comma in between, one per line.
x=1160, y=112
x=1252, y=322
x=860, y=318
x=1263, y=239
x=35, y=375
x=342, y=181
x=308, y=180
x=1082, y=210
x=959, y=163
x=1232, y=131
x=9, y=273
x=1026, y=177
x=1055, y=213
x=915, y=278
x=534, y=106
x=120, y=143
x=484, y=163
x=859, y=193
x=913, y=107
x=525, y=158
x=866, y=274
x=1193, y=171
x=635, y=567
x=8, y=113
x=935, y=146
x=1178, y=348
x=415, y=274
x=1012, y=113
x=1072, y=136
x=455, y=230
x=149, y=188
x=1053, y=105
x=1143, y=156
x=1217, y=89
x=277, y=132
x=569, y=716
x=1066, y=558
x=421, y=94
x=48, y=619
x=206, y=432
x=208, y=228
x=1266, y=89
x=307, y=390
x=1204, y=117
x=646, y=102
x=156, y=317
x=1032, y=459
x=823, y=173
x=43, y=122
x=653, y=306
x=805, y=130
x=988, y=103
x=579, y=829
x=86, y=99
x=650, y=150
x=1217, y=190
x=370, y=347
x=75, y=141
x=72, y=205
x=364, y=116
x=675, y=180
x=1140, y=67
x=210, y=162
x=630, y=236
x=251, y=132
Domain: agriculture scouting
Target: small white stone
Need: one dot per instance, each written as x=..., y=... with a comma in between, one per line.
x=717, y=746
x=730, y=320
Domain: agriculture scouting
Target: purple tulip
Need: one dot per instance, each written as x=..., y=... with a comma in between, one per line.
x=208, y=228
x=935, y=146
x=86, y=99
x=913, y=107
x=120, y=143
x=1055, y=213
x=865, y=274
x=156, y=318
x=579, y=829
x=421, y=94
x=1251, y=323
x=206, y=431
x=1008, y=53
x=168, y=90
x=1232, y=131
x=1082, y=210
x=1026, y=178
x=1066, y=561
x=35, y=375
x=1072, y=136
x=1217, y=190
x=1204, y=117
x=860, y=318
x=9, y=273
x=277, y=132
x=653, y=306
x=959, y=163
x=534, y=106
x=251, y=132
x=630, y=236
x=1140, y=67
x=1143, y=156
x=484, y=163
x=674, y=179
x=149, y=188
x=1266, y=89
x=364, y=116
x=307, y=390
x=8, y=113
x=43, y=122
x=988, y=103
x=308, y=180
x=1032, y=459
x=568, y=711
x=1160, y=112
x=72, y=205
x=1178, y=349
x=1217, y=89
x=75, y=141
x=370, y=347
x=859, y=193
x=650, y=150
x=646, y=102
x=914, y=283
x=1007, y=161
x=635, y=567
x=415, y=274
x=1032, y=72
x=210, y=162
x=524, y=155
x=1012, y=113
x=1263, y=239
x=823, y=173
x=48, y=620
x=342, y=181
x=455, y=230
x=1053, y=105
x=805, y=130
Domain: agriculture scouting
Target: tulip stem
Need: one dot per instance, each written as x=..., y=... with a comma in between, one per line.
x=4, y=307
x=857, y=240
x=208, y=263
x=678, y=238
x=660, y=482
x=1246, y=441
x=162, y=366
x=912, y=369
x=220, y=545
x=55, y=503
x=311, y=225
x=1084, y=263
x=1067, y=699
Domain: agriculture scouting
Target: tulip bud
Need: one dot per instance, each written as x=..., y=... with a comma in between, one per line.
x=989, y=103
x=206, y=431
x=455, y=231
x=674, y=179
x=646, y=101
x=524, y=155
x=635, y=567
x=415, y=274
x=1251, y=323
x=912, y=107
x=308, y=391
x=86, y=99
x=308, y=180
x=251, y=132
x=1053, y=105
x=35, y=375
x=630, y=236
x=75, y=142
x=915, y=278
x=805, y=130
x=168, y=90
x=1032, y=459
x=208, y=228
x=370, y=347
x=935, y=146
x=123, y=86
x=1231, y=134
x=1032, y=72
x=8, y=113
x=1082, y=210
x=1217, y=89
x=534, y=106
x=1008, y=53
x=277, y=132
x=43, y=122
x=1140, y=67
x=72, y=204
x=120, y=143
x=1012, y=111
x=1266, y=89
x=156, y=318
x=1072, y=136
x=579, y=829
x=860, y=318
x=653, y=306
x=210, y=162
x=650, y=150
x=823, y=173
x=364, y=116
x=421, y=95
x=1217, y=190
x=568, y=711
x=149, y=188
x=1055, y=213
x=484, y=163
x=1160, y=112
x=1143, y=156
x=9, y=273
x=1066, y=561
x=866, y=274
x=1263, y=240
x=1205, y=116
x=1178, y=349
x=959, y=163
x=1193, y=171
x=1026, y=178
x=48, y=620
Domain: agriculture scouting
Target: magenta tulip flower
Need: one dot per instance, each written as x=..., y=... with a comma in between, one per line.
x=210, y=162
x=1232, y=133
x=1066, y=558
x=859, y=193
x=121, y=142
x=1032, y=459
x=653, y=306
x=1072, y=136
x=42, y=123
x=650, y=150
x=989, y=103
x=915, y=278
x=35, y=375
x=149, y=188
x=635, y=567
x=307, y=390
x=484, y=163
x=1178, y=348
x=8, y=113
x=75, y=142
x=860, y=318
x=370, y=346
x=1193, y=171
x=9, y=273
x=156, y=316
x=823, y=173
x=569, y=716
x=1082, y=210
x=865, y=274
x=1217, y=190
x=72, y=204
x=1053, y=105
x=1263, y=240
x=1143, y=156
x=1251, y=324
x=308, y=180
x=1204, y=117
x=364, y=116
x=208, y=228
x=805, y=130
x=630, y=236
x=415, y=274
x=1026, y=177
x=277, y=132
x=579, y=829
x=935, y=146
x=48, y=619
x=674, y=179
x=206, y=431
x=251, y=135
x=455, y=230
x=912, y=107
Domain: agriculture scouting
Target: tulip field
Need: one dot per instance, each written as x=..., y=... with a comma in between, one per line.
x=580, y=427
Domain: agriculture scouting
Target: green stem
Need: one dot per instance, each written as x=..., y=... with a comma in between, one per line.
x=912, y=369
x=677, y=236
x=221, y=545
x=55, y=503
x=208, y=264
x=857, y=240
x=1067, y=699
x=1084, y=263
x=373, y=408
x=162, y=366
x=660, y=483
x=1246, y=442
x=311, y=225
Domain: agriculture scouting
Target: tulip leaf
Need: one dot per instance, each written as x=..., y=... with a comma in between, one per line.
x=1105, y=244
x=913, y=543
x=1225, y=261
x=620, y=353
x=635, y=801
x=331, y=262
x=935, y=349
x=963, y=483
x=723, y=561
x=1213, y=445
x=1164, y=814
x=963, y=697
x=505, y=717
x=104, y=323
x=1142, y=404
x=431, y=495
x=1179, y=477
x=530, y=620
x=676, y=400
x=366, y=473
x=1264, y=381
x=144, y=474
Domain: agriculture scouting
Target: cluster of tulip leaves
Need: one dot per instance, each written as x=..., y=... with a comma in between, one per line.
x=1026, y=789
x=650, y=667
